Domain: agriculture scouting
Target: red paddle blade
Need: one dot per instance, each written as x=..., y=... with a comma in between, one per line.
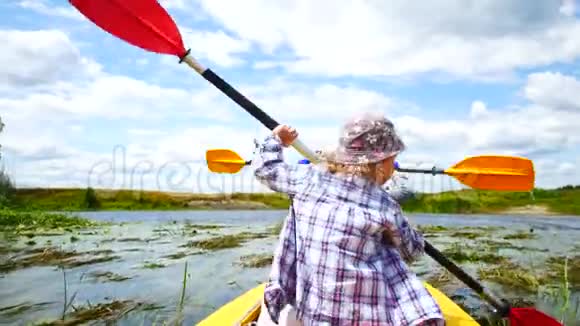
x=530, y=317
x=142, y=23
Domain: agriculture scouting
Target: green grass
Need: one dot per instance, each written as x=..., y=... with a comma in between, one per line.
x=560, y=201
x=65, y=199
x=41, y=220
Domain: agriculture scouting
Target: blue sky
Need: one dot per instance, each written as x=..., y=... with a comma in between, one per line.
x=456, y=83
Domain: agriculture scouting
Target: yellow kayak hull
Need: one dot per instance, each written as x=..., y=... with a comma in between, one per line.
x=245, y=309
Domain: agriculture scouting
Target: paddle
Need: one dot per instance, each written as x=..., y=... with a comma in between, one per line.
x=145, y=24
x=484, y=172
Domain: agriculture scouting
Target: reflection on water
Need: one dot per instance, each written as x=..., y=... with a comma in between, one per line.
x=153, y=247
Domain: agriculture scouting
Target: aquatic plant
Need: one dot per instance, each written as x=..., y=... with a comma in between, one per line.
x=108, y=276
x=520, y=235
x=431, y=228
x=225, y=241
x=150, y=265
x=486, y=228
x=440, y=278
x=21, y=308
x=511, y=275
x=560, y=267
x=462, y=253
x=181, y=254
x=51, y=256
x=184, y=285
x=559, y=297
x=256, y=260
x=105, y=312
x=276, y=228
x=130, y=240
x=204, y=226
x=466, y=234
x=495, y=245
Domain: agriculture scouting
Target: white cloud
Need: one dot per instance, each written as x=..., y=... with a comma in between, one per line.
x=478, y=109
x=291, y=102
x=568, y=7
x=213, y=46
x=554, y=90
x=567, y=168
x=217, y=47
x=174, y=158
x=48, y=77
x=376, y=38
x=40, y=6
x=174, y=4
x=44, y=122
x=555, y=173
x=145, y=132
x=42, y=57
x=106, y=96
x=174, y=162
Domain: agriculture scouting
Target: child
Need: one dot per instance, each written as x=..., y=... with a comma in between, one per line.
x=342, y=251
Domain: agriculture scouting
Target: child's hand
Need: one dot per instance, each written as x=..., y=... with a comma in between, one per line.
x=286, y=134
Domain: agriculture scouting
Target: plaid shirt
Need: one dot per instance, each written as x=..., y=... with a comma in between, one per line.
x=332, y=262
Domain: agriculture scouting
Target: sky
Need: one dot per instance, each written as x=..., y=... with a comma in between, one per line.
x=458, y=78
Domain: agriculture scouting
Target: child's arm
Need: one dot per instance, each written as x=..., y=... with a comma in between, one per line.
x=409, y=241
x=281, y=288
x=273, y=171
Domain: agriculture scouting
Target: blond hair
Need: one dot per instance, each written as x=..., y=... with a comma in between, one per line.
x=369, y=171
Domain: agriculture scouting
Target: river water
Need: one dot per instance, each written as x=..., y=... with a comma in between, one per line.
x=138, y=238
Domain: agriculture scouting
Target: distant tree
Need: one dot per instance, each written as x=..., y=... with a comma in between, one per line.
x=1, y=128
x=6, y=185
x=91, y=200
x=6, y=189
x=141, y=197
x=569, y=187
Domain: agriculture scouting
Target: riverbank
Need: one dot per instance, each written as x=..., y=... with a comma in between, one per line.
x=543, y=202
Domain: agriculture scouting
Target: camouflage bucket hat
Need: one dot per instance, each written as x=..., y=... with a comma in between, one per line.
x=368, y=138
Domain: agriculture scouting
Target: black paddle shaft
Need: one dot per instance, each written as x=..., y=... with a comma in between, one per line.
x=432, y=171
x=237, y=97
x=502, y=308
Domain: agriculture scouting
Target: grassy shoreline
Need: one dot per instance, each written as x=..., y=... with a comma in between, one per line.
x=544, y=202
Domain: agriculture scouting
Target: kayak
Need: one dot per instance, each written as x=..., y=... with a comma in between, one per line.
x=245, y=309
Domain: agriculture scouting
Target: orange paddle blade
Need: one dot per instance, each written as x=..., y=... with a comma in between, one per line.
x=224, y=161
x=495, y=172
